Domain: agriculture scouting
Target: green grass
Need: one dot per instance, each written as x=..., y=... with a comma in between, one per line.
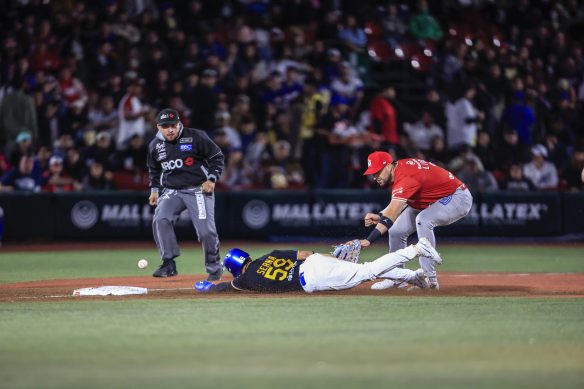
x=314, y=342
x=308, y=342
x=29, y=266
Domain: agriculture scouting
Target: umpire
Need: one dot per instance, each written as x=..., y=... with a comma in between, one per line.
x=184, y=165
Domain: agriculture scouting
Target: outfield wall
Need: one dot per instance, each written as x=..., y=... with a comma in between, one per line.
x=264, y=214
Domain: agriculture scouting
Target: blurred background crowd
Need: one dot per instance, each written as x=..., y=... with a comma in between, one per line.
x=295, y=92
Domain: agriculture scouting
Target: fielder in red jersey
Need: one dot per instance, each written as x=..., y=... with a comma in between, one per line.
x=423, y=196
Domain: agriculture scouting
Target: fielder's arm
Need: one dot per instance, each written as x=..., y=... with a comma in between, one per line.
x=386, y=219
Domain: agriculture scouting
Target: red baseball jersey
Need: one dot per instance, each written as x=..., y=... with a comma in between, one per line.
x=422, y=183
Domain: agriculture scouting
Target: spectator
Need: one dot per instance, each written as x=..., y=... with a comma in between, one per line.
x=520, y=117
x=486, y=151
x=103, y=151
x=461, y=119
x=516, y=181
x=349, y=87
x=238, y=173
x=74, y=165
x=423, y=25
x=72, y=88
x=542, y=173
x=422, y=132
x=510, y=151
x=291, y=87
x=22, y=147
x=26, y=176
x=573, y=176
x=133, y=158
x=353, y=36
x=105, y=118
x=394, y=25
x=204, y=102
x=17, y=114
x=435, y=106
x=97, y=178
x=56, y=180
x=222, y=119
x=131, y=114
x=438, y=153
x=384, y=119
x=476, y=177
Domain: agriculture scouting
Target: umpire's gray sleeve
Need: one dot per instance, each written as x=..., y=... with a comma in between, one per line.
x=213, y=157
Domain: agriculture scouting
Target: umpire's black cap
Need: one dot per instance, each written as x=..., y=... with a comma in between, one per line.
x=167, y=116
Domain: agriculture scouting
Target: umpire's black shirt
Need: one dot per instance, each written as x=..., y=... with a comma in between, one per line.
x=188, y=161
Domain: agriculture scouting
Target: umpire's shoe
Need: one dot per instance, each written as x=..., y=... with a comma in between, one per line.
x=215, y=276
x=167, y=269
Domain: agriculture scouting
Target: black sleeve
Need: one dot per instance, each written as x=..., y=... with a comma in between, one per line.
x=223, y=287
x=154, y=169
x=213, y=156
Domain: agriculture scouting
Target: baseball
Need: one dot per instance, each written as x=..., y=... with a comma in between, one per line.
x=142, y=264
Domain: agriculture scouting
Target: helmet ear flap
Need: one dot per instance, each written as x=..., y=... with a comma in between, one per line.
x=234, y=261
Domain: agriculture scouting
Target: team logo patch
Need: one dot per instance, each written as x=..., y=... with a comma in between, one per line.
x=189, y=161
x=186, y=147
x=186, y=140
x=445, y=200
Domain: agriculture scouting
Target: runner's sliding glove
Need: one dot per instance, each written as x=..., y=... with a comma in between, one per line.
x=203, y=286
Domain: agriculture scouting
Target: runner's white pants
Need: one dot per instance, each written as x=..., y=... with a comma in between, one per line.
x=321, y=272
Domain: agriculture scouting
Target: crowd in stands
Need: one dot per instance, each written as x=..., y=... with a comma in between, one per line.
x=287, y=90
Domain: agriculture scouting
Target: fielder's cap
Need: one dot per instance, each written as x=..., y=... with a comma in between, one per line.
x=23, y=137
x=167, y=116
x=377, y=161
x=55, y=160
x=539, y=150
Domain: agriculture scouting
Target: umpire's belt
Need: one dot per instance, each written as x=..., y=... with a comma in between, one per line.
x=301, y=277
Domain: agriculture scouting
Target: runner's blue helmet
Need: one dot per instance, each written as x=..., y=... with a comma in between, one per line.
x=234, y=261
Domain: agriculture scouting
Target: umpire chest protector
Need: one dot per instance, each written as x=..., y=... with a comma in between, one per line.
x=188, y=161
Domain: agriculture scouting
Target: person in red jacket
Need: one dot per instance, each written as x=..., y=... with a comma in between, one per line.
x=423, y=196
x=383, y=118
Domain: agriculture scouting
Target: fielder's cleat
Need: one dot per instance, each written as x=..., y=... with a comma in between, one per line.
x=167, y=269
x=216, y=276
x=419, y=280
x=425, y=249
x=433, y=283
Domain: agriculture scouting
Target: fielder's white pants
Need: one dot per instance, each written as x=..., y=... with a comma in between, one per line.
x=320, y=272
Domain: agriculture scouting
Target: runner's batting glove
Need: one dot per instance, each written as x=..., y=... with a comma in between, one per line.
x=203, y=286
x=348, y=251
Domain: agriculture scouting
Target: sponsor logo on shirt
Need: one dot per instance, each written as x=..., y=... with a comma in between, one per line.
x=172, y=164
x=161, y=151
x=186, y=147
x=186, y=140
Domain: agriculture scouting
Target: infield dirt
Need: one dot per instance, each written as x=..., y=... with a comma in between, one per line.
x=451, y=284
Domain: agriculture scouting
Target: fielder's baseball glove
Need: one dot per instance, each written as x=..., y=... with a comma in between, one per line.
x=348, y=251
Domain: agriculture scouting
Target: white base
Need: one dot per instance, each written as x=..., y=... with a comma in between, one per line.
x=110, y=290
